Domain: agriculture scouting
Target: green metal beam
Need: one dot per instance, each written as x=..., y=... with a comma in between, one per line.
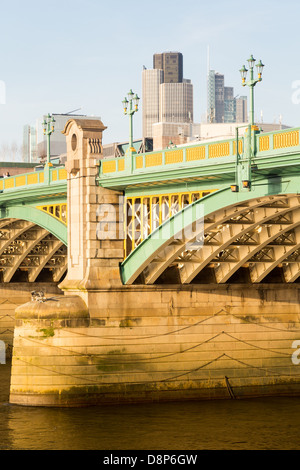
x=40, y=218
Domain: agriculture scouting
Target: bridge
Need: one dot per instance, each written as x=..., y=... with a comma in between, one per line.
x=244, y=193
x=240, y=195
x=178, y=270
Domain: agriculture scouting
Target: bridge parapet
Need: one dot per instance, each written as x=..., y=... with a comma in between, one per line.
x=277, y=140
x=185, y=156
x=213, y=159
x=57, y=175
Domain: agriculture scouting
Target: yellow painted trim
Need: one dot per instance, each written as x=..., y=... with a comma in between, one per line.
x=109, y=166
x=121, y=164
x=62, y=174
x=264, y=143
x=221, y=149
x=154, y=159
x=32, y=178
x=173, y=156
x=286, y=139
x=195, y=153
x=240, y=146
x=59, y=211
x=9, y=183
x=139, y=162
x=20, y=180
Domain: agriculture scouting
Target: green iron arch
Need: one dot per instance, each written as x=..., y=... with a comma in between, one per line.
x=178, y=229
x=38, y=217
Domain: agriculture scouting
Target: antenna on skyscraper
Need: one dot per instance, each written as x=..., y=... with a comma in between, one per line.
x=208, y=118
x=208, y=61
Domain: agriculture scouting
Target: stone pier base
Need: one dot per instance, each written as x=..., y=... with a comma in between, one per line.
x=12, y=295
x=158, y=343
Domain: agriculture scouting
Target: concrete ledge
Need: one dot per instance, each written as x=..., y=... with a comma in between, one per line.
x=138, y=394
x=60, y=307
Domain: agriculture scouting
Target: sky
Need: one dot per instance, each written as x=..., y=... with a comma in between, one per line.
x=59, y=56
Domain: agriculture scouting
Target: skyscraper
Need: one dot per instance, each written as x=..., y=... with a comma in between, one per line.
x=241, y=109
x=167, y=96
x=172, y=65
x=151, y=80
x=222, y=106
x=176, y=102
x=229, y=105
x=215, y=98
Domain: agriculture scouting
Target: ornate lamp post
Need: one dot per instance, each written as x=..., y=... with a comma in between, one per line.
x=48, y=126
x=130, y=107
x=243, y=170
x=252, y=82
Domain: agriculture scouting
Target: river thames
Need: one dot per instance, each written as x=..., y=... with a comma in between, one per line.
x=256, y=424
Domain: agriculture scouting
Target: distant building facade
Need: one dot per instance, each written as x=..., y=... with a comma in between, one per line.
x=176, y=102
x=171, y=63
x=151, y=81
x=241, y=109
x=222, y=106
x=34, y=140
x=29, y=144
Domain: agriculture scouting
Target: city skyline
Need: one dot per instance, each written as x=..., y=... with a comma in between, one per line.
x=66, y=60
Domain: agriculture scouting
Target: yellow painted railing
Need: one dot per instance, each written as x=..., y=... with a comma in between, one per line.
x=143, y=214
x=28, y=179
x=278, y=140
x=264, y=143
x=286, y=139
x=59, y=211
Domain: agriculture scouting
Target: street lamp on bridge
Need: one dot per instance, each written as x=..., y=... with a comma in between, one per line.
x=243, y=170
x=48, y=126
x=130, y=107
x=252, y=82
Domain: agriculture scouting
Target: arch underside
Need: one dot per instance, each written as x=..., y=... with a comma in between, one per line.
x=30, y=253
x=255, y=240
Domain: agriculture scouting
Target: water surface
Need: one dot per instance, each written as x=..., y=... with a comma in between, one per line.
x=264, y=424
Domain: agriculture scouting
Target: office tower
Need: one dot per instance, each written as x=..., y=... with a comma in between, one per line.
x=167, y=96
x=176, y=102
x=222, y=106
x=229, y=105
x=151, y=80
x=241, y=109
x=215, y=98
x=172, y=65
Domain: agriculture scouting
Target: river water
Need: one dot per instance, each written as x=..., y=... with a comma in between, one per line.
x=262, y=424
